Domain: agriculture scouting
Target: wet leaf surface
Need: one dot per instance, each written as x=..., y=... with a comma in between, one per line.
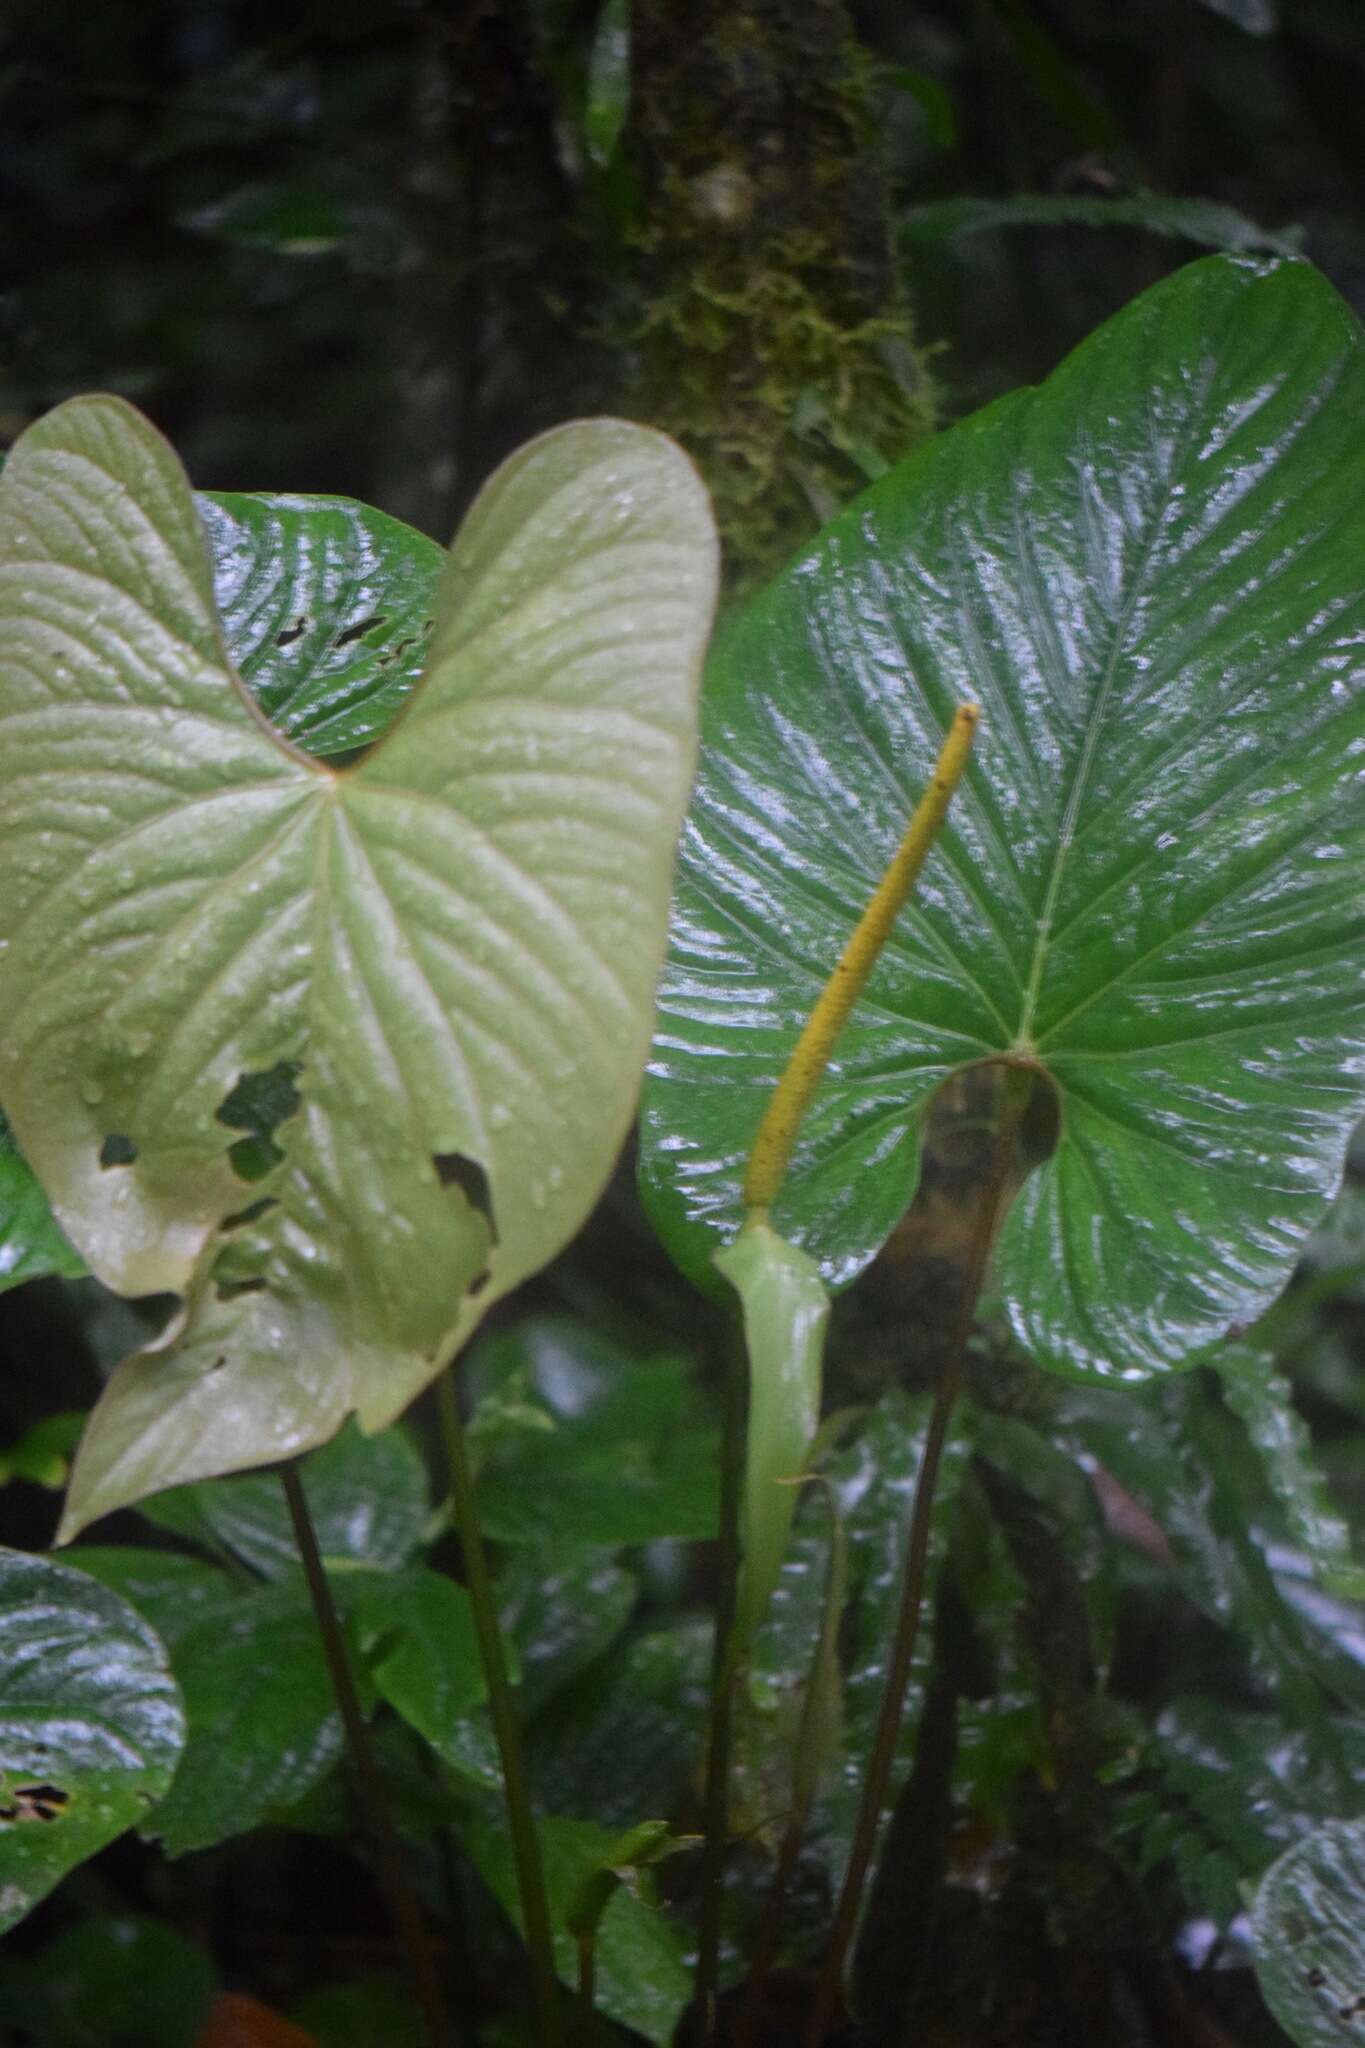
x=91, y=1724
x=1147, y=572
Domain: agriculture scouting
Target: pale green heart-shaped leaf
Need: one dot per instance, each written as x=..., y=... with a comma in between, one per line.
x=327, y=609
x=450, y=948
x=91, y=1724
x=786, y=1309
x=31, y=1243
x=1148, y=572
x=1308, y=1926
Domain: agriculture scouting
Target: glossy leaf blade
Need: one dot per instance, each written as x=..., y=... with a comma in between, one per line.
x=327, y=608
x=1148, y=573
x=263, y=1723
x=451, y=947
x=91, y=1724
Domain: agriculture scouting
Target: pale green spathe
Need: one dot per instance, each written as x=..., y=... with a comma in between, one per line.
x=786, y=1308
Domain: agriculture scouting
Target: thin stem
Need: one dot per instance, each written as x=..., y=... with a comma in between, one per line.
x=717, y=1812
x=585, y=2028
x=521, y=1819
x=369, y=1783
x=790, y=1099
x=829, y=1992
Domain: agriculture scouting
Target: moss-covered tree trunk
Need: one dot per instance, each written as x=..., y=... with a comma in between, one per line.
x=771, y=333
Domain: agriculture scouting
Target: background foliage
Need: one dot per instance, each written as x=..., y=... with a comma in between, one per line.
x=370, y=250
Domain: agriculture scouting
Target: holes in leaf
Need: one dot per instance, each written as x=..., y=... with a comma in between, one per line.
x=258, y=1104
x=359, y=629
x=287, y=635
x=454, y=1170
x=240, y=1219
x=118, y=1149
x=33, y=1802
x=397, y=652
x=228, y=1290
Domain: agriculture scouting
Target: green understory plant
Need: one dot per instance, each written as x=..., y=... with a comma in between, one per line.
x=335, y=875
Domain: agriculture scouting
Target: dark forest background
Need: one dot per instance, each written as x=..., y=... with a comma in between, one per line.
x=367, y=246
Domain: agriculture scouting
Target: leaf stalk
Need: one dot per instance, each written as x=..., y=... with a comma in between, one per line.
x=369, y=1781
x=1016, y=1089
x=521, y=1819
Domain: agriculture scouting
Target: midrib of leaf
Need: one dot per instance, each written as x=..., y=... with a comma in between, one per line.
x=1076, y=793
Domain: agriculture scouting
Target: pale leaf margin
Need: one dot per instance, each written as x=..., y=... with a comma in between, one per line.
x=455, y=941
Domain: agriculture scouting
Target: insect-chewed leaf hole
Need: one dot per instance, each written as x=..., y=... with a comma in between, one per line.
x=118, y=1149
x=33, y=1802
x=228, y=1290
x=241, y=1217
x=287, y=635
x=258, y=1103
x=454, y=1170
x=370, y=624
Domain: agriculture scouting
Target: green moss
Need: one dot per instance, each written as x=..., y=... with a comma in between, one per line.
x=770, y=332
x=786, y=408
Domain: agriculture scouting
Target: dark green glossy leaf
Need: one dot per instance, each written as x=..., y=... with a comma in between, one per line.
x=115, y=1981
x=1148, y=572
x=1237, y=1789
x=561, y=1620
x=626, y=1738
x=367, y=1497
x=631, y=1457
x=263, y=1726
x=1308, y=1925
x=174, y=1593
x=1203, y=221
x=31, y=1243
x=1257, y=1394
x=327, y=609
x=431, y=1673
x=1188, y=1462
x=642, y=1978
x=91, y=1724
